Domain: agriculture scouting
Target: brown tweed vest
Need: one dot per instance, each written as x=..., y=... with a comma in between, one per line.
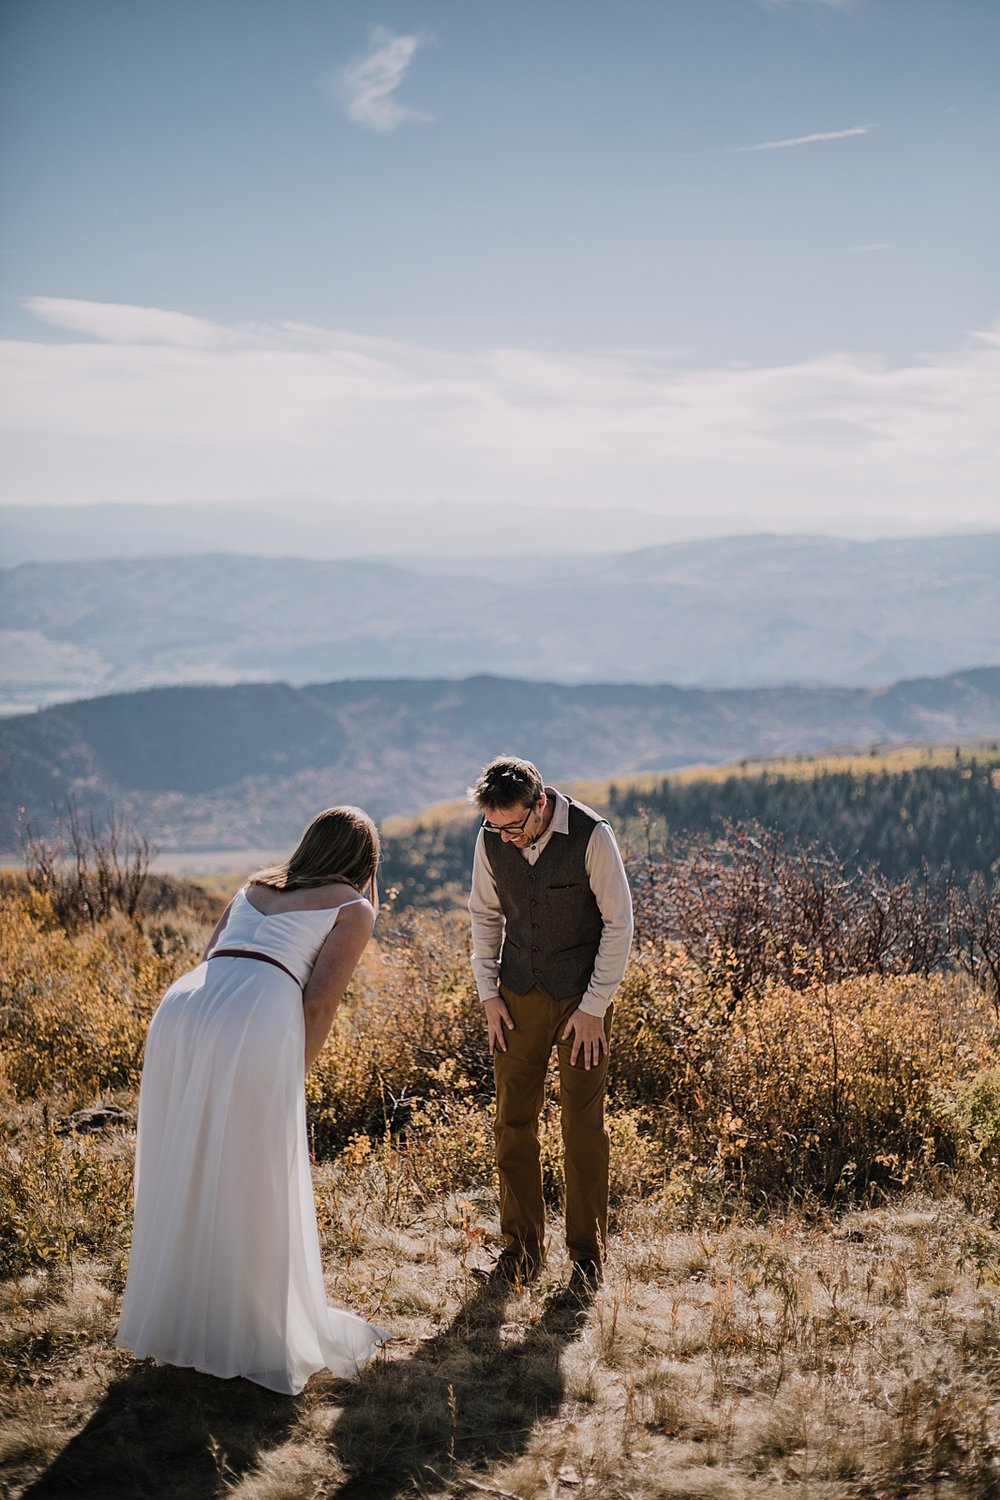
x=553, y=923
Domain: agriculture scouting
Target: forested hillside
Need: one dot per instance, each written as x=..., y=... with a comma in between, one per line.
x=944, y=816
x=948, y=817
x=245, y=767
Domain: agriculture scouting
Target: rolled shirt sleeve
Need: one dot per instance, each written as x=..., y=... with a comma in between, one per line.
x=609, y=883
x=487, y=923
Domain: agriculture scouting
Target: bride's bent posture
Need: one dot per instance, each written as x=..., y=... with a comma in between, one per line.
x=225, y=1271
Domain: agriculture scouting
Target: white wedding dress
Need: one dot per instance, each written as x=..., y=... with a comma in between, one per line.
x=225, y=1272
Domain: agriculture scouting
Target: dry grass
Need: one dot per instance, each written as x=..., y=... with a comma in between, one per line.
x=739, y=1348
x=854, y=1358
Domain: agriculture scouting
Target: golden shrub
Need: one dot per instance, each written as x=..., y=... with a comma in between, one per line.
x=977, y=1109
x=410, y=1032
x=834, y=1089
x=845, y=1087
x=74, y=1008
x=61, y=1193
x=449, y=1146
x=640, y=1166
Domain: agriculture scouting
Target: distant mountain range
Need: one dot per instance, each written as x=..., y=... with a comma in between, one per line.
x=244, y=767
x=331, y=530
x=730, y=612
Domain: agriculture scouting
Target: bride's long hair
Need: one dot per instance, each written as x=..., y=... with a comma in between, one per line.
x=340, y=844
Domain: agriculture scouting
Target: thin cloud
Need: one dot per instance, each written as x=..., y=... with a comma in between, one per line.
x=803, y=140
x=367, y=85
x=192, y=409
x=871, y=249
x=120, y=323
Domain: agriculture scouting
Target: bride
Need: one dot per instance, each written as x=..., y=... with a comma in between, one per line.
x=225, y=1272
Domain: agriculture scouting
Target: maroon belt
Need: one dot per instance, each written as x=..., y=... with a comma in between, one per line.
x=264, y=958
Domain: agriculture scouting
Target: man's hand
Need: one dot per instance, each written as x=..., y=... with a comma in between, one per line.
x=497, y=1017
x=588, y=1038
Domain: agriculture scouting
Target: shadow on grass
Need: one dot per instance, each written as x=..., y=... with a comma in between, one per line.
x=167, y=1434
x=466, y=1398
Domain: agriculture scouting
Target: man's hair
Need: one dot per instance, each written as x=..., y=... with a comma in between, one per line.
x=508, y=782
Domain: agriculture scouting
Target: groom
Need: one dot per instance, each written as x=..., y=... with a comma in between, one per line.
x=551, y=931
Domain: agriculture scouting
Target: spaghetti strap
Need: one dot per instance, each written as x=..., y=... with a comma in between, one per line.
x=300, y=911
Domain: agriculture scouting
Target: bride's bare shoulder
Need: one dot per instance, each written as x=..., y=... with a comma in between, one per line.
x=338, y=894
x=307, y=898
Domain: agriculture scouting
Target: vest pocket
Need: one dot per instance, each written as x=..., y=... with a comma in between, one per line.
x=588, y=948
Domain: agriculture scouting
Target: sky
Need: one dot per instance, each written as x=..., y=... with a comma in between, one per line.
x=730, y=257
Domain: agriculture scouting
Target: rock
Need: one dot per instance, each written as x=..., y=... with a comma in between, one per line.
x=98, y=1117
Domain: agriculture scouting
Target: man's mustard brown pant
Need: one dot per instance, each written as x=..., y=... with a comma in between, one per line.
x=520, y=1094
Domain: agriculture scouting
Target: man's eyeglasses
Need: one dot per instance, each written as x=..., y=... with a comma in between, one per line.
x=515, y=828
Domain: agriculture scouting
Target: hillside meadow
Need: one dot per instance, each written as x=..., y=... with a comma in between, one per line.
x=801, y=1295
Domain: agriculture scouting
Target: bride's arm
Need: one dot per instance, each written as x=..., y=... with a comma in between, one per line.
x=338, y=958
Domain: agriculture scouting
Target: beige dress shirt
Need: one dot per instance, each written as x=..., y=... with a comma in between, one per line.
x=608, y=881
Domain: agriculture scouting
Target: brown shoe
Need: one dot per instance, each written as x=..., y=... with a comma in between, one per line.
x=586, y=1276
x=515, y=1268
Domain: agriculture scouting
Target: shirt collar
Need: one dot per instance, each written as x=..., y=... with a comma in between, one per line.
x=560, y=817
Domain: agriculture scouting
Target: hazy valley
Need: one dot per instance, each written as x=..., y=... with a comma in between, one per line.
x=730, y=612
